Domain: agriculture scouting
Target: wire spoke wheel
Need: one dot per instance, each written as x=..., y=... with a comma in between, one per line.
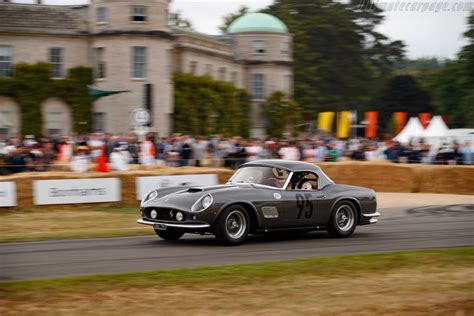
x=235, y=224
x=343, y=220
x=345, y=217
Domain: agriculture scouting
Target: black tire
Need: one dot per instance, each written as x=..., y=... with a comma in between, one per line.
x=233, y=226
x=343, y=220
x=169, y=234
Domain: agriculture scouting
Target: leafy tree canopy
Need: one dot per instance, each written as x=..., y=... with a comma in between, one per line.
x=204, y=106
x=282, y=114
x=228, y=19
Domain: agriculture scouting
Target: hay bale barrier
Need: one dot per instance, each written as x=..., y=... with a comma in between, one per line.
x=380, y=176
x=447, y=179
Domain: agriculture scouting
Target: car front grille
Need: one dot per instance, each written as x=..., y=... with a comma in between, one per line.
x=164, y=214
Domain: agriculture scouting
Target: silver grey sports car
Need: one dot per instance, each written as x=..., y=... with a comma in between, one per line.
x=262, y=196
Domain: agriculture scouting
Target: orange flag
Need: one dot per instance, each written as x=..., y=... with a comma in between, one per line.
x=400, y=119
x=371, y=124
x=424, y=119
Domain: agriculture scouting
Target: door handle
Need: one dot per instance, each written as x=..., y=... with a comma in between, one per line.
x=321, y=196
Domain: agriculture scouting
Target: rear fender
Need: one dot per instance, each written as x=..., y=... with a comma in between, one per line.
x=350, y=199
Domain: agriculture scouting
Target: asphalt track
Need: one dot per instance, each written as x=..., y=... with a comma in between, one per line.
x=398, y=229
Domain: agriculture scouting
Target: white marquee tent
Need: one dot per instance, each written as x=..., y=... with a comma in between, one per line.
x=413, y=129
x=437, y=132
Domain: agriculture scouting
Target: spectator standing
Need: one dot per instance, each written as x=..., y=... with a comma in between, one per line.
x=81, y=161
x=119, y=158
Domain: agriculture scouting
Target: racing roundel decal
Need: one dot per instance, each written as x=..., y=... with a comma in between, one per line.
x=277, y=196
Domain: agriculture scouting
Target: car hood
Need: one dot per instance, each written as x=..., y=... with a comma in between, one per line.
x=184, y=198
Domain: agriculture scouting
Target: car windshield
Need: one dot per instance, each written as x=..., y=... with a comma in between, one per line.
x=274, y=177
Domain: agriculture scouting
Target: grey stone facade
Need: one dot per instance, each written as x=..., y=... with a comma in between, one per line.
x=131, y=47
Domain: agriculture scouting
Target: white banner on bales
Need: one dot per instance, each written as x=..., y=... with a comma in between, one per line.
x=146, y=184
x=7, y=194
x=76, y=191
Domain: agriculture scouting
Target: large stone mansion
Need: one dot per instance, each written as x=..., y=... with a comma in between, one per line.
x=131, y=46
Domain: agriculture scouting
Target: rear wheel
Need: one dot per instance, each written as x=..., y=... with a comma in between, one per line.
x=169, y=234
x=233, y=226
x=343, y=220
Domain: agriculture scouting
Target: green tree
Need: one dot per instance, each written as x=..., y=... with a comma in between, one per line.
x=402, y=94
x=204, y=106
x=339, y=57
x=282, y=114
x=228, y=19
x=452, y=85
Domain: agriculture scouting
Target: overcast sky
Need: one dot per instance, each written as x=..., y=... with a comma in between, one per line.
x=426, y=34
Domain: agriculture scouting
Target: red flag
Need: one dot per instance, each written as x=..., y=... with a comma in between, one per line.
x=371, y=124
x=424, y=119
x=102, y=162
x=400, y=120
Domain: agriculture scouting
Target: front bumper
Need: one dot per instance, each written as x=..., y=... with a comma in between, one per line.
x=173, y=225
x=370, y=218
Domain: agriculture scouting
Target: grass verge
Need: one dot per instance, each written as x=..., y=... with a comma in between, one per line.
x=70, y=223
x=411, y=282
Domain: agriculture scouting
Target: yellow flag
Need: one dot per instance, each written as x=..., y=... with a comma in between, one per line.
x=343, y=124
x=325, y=121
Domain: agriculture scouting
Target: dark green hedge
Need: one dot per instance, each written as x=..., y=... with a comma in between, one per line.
x=204, y=106
x=31, y=85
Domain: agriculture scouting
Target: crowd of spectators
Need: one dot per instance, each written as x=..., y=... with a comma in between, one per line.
x=119, y=151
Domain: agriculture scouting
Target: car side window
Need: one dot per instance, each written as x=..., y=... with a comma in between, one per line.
x=303, y=181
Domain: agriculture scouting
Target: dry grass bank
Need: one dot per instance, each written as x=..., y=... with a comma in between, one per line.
x=437, y=282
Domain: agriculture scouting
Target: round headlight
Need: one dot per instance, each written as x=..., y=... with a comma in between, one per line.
x=206, y=201
x=179, y=216
x=153, y=214
x=150, y=196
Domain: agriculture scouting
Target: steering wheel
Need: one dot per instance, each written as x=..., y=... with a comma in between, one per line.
x=305, y=184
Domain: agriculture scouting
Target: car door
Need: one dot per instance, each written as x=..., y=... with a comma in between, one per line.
x=296, y=207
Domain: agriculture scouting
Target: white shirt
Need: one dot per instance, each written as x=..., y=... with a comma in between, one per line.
x=119, y=161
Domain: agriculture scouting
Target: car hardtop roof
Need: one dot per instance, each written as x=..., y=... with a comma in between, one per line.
x=290, y=165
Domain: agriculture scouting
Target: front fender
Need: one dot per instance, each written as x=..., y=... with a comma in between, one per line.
x=248, y=205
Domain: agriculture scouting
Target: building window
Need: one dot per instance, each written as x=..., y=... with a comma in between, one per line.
x=222, y=74
x=138, y=14
x=5, y=123
x=5, y=61
x=285, y=47
x=100, y=65
x=257, y=86
x=287, y=83
x=209, y=70
x=193, y=67
x=101, y=16
x=54, y=123
x=56, y=60
x=258, y=47
x=233, y=77
x=99, y=121
x=138, y=62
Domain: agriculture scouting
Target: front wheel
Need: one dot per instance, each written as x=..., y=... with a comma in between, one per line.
x=169, y=234
x=233, y=226
x=343, y=220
